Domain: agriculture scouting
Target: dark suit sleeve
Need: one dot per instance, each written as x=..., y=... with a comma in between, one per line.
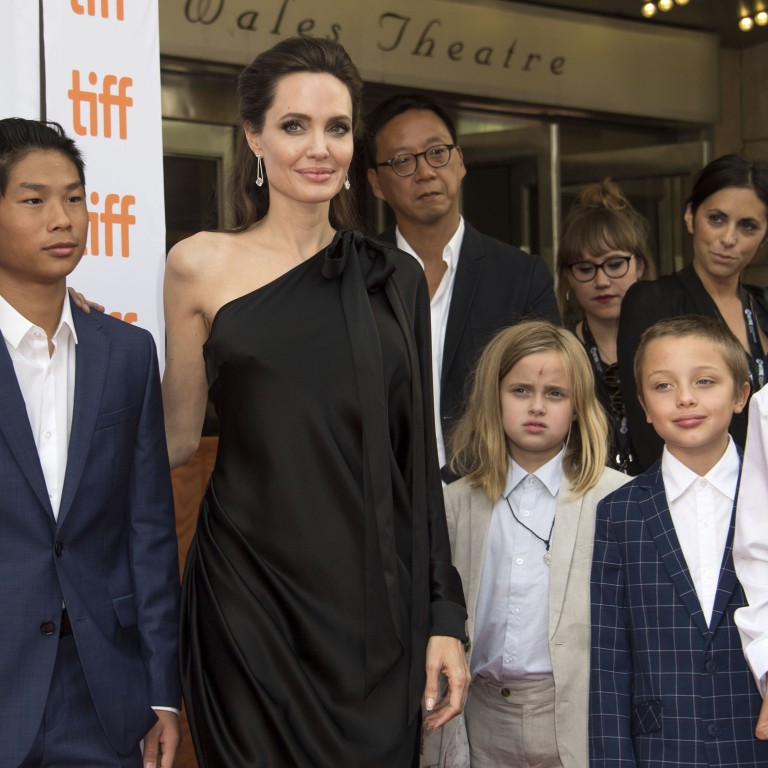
x=643, y=304
x=446, y=593
x=154, y=551
x=610, y=687
x=541, y=299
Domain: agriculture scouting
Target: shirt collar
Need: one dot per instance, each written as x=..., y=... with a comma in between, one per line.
x=724, y=476
x=450, y=252
x=550, y=474
x=15, y=326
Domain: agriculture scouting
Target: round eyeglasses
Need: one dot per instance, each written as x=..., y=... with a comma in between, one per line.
x=615, y=266
x=405, y=165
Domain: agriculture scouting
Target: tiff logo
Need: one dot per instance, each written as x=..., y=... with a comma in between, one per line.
x=107, y=98
x=90, y=8
x=106, y=221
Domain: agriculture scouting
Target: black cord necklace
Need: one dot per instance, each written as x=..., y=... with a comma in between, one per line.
x=546, y=542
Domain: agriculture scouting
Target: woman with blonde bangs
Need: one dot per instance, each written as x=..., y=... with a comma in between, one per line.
x=532, y=449
x=603, y=252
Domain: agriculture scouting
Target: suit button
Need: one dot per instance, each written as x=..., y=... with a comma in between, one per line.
x=47, y=628
x=711, y=667
x=713, y=730
x=505, y=692
x=58, y=548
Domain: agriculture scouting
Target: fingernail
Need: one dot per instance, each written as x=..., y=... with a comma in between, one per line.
x=430, y=704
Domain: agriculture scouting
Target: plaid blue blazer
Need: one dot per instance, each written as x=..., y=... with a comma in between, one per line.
x=665, y=688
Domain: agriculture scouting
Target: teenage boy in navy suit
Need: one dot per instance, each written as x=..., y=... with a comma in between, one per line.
x=88, y=558
x=669, y=682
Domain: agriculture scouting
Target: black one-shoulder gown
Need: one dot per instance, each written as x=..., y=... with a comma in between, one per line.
x=298, y=606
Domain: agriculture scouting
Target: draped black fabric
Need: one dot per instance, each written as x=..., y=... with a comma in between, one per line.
x=307, y=591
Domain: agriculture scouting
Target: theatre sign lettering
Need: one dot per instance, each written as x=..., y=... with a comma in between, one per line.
x=489, y=49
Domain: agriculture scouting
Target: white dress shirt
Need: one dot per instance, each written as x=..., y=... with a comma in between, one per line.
x=439, y=307
x=750, y=542
x=511, y=635
x=701, y=509
x=47, y=383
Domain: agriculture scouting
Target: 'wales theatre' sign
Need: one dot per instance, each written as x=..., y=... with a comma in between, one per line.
x=491, y=49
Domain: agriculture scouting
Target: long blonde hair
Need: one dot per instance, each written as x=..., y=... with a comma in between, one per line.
x=478, y=445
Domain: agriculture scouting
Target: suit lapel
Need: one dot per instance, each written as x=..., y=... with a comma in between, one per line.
x=15, y=427
x=480, y=512
x=467, y=275
x=92, y=356
x=658, y=518
x=567, y=517
x=727, y=581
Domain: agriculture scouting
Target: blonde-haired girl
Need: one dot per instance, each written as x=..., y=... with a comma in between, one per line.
x=531, y=448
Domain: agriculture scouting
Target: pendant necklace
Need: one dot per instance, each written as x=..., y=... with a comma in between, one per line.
x=546, y=542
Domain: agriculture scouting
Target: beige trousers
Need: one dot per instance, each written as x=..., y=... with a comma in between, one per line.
x=512, y=724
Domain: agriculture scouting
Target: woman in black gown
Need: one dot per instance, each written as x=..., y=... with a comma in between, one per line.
x=727, y=217
x=603, y=252
x=319, y=579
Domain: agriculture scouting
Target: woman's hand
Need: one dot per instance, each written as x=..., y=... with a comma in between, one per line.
x=82, y=303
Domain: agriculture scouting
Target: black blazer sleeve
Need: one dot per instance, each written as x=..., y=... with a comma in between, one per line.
x=643, y=304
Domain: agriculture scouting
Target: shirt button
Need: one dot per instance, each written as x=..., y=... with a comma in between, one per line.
x=526, y=513
x=47, y=628
x=47, y=435
x=519, y=560
x=516, y=611
x=703, y=484
x=505, y=693
x=58, y=548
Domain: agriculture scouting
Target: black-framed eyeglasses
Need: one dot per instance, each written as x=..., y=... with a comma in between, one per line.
x=405, y=165
x=615, y=266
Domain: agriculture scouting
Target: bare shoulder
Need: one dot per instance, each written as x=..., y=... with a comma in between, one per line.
x=198, y=257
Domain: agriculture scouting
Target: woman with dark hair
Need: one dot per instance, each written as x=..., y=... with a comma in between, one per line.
x=320, y=575
x=727, y=216
x=603, y=252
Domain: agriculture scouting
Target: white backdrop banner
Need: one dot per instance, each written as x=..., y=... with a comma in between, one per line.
x=102, y=70
x=19, y=59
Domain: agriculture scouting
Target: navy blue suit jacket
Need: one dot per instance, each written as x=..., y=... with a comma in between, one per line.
x=666, y=689
x=111, y=557
x=496, y=285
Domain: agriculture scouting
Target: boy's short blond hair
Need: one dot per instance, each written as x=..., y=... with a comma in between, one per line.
x=714, y=331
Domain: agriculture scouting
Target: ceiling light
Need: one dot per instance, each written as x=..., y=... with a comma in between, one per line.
x=761, y=18
x=665, y=5
x=746, y=23
x=648, y=10
x=682, y=2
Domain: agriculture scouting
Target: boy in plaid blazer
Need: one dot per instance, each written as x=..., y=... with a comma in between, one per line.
x=669, y=682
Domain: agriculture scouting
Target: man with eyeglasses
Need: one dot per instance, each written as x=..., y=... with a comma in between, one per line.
x=477, y=285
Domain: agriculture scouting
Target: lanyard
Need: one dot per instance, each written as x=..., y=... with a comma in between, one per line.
x=753, y=339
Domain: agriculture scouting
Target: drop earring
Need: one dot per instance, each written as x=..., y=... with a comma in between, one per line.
x=347, y=185
x=259, y=171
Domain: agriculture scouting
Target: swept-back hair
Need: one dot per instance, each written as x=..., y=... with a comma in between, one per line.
x=256, y=86
x=730, y=171
x=601, y=220
x=478, y=445
x=19, y=137
x=394, y=106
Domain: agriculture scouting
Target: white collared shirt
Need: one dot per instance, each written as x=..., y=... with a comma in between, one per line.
x=511, y=630
x=47, y=383
x=750, y=541
x=701, y=509
x=439, y=308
